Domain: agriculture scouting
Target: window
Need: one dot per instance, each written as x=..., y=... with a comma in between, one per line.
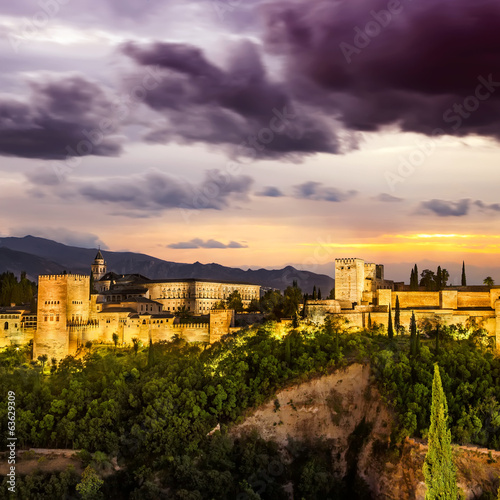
x=6, y=325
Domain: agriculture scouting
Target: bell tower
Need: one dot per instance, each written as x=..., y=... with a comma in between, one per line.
x=99, y=266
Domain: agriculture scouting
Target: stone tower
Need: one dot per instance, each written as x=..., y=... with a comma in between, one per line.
x=63, y=302
x=98, y=267
x=349, y=279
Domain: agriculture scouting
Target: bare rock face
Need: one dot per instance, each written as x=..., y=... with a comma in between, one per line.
x=345, y=410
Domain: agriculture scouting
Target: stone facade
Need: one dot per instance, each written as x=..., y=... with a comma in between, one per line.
x=195, y=296
x=356, y=280
x=63, y=305
x=130, y=306
x=361, y=290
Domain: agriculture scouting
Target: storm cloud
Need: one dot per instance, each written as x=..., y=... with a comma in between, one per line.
x=62, y=118
x=156, y=191
x=429, y=66
x=238, y=106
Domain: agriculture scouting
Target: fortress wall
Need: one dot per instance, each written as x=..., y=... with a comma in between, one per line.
x=474, y=299
x=449, y=299
x=221, y=320
x=78, y=304
x=486, y=319
x=415, y=300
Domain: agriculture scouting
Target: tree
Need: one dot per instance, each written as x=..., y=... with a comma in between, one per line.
x=390, y=330
x=135, y=345
x=437, y=339
x=428, y=279
x=115, y=339
x=439, y=279
x=464, y=278
x=315, y=295
x=488, y=281
x=291, y=301
x=369, y=321
x=413, y=335
x=439, y=469
x=414, y=278
x=88, y=345
x=319, y=293
x=90, y=485
x=220, y=304
x=234, y=301
x=151, y=354
x=332, y=294
x=397, y=316
x=445, y=276
x=43, y=359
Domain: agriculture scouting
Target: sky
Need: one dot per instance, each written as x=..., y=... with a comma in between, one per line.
x=256, y=133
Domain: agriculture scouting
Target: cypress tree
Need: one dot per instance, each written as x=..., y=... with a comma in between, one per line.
x=319, y=293
x=439, y=278
x=415, y=272
x=315, y=296
x=412, y=279
x=437, y=339
x=369, y=321
x=397, y=317
x=390, y=331
x=151, y=353
x=439, y=469
x=464, y=278
x=413, y=335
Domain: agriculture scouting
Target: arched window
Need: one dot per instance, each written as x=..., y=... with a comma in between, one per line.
x=6, y=325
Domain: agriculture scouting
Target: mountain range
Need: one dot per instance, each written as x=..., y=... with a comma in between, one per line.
x=43, y=256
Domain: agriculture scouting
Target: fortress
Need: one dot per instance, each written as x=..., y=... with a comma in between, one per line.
x=362, y=291
x=69, y=313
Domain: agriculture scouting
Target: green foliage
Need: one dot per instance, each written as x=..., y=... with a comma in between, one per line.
x=291, y=300
x=16, y=292
x=390, y=329
x=397, y=317
x=439, y=469
x=90, y=485
x=234, y=301
x=155, y=416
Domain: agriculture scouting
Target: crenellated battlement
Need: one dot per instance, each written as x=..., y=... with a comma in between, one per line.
x=190, y=325
x=59, y=277
x=347, y=260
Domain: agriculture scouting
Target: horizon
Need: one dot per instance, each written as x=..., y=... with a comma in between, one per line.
x=272, y=133
x=398, y=272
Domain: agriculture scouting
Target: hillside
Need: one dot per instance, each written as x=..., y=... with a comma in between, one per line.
x=39, y=256
x=345, y=412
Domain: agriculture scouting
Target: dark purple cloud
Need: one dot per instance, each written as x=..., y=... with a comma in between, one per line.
x=199, y=243
x=156, y=191
x=315, y=191
x=495, y=207
x=238, y=106
x=431, y=64
x=62, y=118
x=444, y=208
x=271, y=192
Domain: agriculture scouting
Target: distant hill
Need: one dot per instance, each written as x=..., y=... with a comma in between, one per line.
x=42, y=256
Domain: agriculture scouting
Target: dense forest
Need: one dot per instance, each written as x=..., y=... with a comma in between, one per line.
x=154, y=408
x=14, y=291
